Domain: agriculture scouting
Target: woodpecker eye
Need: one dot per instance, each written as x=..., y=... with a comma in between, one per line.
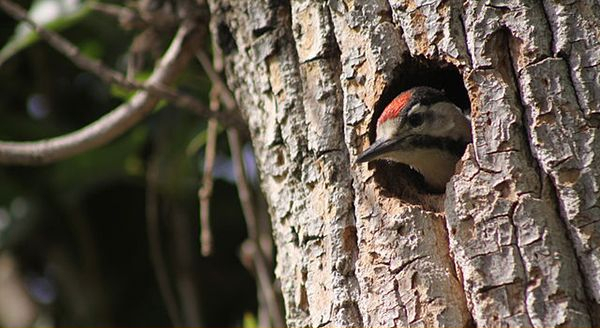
x=415, y=120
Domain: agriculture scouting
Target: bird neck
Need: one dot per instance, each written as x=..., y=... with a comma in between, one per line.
x=435, y=165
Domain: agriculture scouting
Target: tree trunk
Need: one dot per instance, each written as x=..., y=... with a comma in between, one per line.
x=517, y=241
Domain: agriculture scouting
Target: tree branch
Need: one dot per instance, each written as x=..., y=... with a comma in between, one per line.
x=261, y=266
x=260, y=263
x=226, y=97
x=154, y=242
x=121, y=118
x=110, y=125
x=205, y=192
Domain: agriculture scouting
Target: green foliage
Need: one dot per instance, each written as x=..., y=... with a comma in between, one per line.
x=199, y=141
x=118, y=91
x=249, y=320
x=54, y=15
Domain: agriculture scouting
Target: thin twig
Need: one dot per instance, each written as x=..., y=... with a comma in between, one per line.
x=261, y=266
x=124, y=116
x=185, y=273
x=260, y=262
x=109, y=75
x=154, y=240
x=224, y=93
x=205, y=192
x=111, y=9
x=128, y=18
x=65, y=47
x=110, y=125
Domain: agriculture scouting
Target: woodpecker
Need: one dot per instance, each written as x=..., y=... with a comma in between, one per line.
x=423, y=129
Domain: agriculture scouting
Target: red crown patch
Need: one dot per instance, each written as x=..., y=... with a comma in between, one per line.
x=395, y=107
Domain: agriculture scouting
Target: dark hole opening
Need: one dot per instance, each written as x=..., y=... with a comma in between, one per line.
x=397, y=179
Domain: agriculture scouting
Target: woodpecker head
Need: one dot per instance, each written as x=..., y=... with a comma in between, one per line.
x=423, y=129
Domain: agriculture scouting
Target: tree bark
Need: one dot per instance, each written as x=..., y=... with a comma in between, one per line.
x=517, y=241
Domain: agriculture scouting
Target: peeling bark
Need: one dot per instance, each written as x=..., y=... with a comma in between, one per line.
x=518, y=242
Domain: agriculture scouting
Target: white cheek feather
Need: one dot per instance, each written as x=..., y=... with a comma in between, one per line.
x=387, y=129
x=450, y=122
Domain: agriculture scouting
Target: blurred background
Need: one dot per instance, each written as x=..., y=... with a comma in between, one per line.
x=110, y=237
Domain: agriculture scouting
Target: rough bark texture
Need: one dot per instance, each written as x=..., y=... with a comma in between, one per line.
x=519, y=242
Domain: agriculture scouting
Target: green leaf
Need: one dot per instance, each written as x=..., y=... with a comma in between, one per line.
x=249, y=320
x=118, y=91
x=54, y=15
x=199, y=141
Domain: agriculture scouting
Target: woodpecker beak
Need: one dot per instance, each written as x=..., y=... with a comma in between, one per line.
x=378, y=149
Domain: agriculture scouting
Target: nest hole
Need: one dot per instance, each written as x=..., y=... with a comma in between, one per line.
x=396, y=179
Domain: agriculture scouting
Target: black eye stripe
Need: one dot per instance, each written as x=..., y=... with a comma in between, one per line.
x=455, y=147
